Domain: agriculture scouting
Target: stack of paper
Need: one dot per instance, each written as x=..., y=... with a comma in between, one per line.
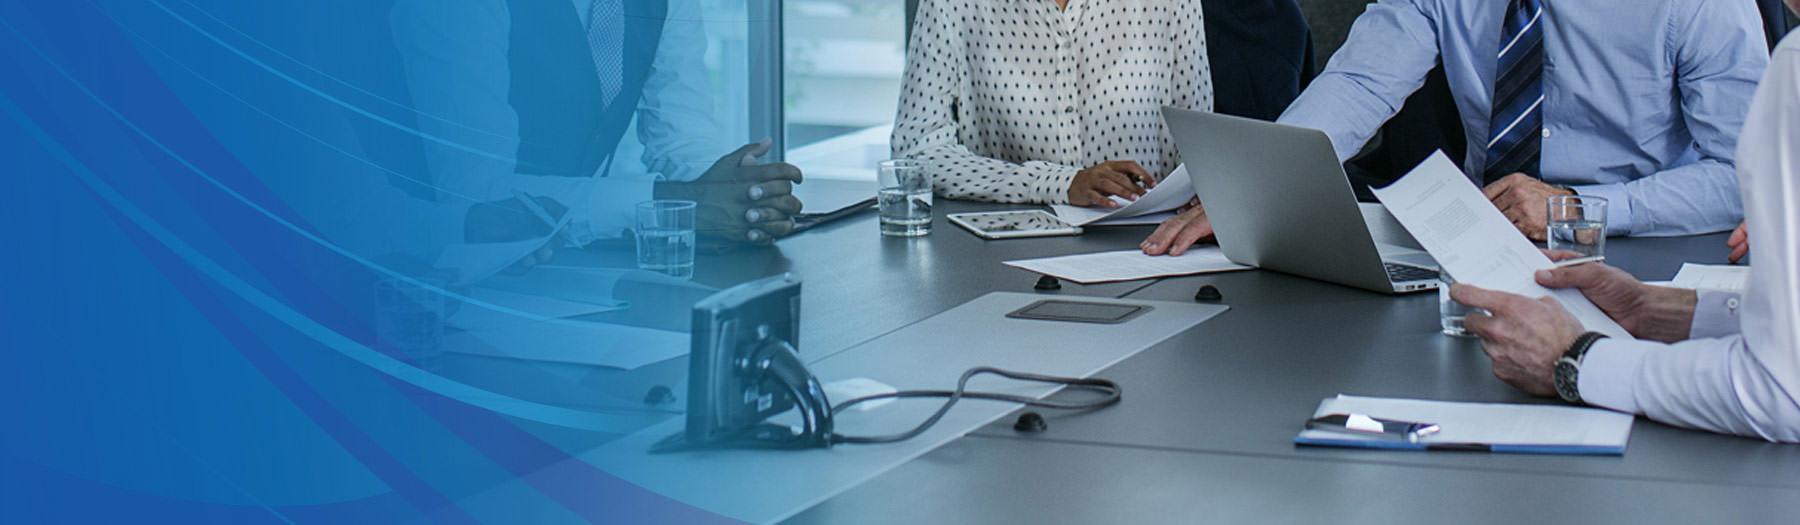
x=1712, y=277
x=1152, y=208
x=1538, y=429
x=1127, y=265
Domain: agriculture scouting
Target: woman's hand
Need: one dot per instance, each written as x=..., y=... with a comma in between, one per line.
x=1096, y=185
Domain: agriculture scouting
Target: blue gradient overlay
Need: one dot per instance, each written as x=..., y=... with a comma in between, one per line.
x=205, y=199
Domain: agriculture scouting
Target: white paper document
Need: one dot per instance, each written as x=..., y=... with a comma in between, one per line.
x=1141, y=220
x=1712, y=277
x=1541, y=429
x=1171, y=193
x=500, y=306
x=480, y=260
x=1127, y=265
x=1474, y=242
x=565, y=341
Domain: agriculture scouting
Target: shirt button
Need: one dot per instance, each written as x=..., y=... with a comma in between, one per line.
x=1069, y=109
x=1546, y=132
x=1732, y=303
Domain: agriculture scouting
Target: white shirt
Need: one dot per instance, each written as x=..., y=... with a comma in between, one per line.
x=1006, y=100
x=1740, y=371
x=456, y=61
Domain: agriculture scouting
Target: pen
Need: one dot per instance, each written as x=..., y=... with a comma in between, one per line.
x=535, y=209
x=1580, y=260
x=542, y=214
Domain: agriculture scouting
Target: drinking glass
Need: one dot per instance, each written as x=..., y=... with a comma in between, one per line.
x=1450, y=312
x=665, y=237
x=904, y=198
x=1578, y=224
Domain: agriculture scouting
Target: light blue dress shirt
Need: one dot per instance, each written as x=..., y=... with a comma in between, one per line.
x=1643, y=99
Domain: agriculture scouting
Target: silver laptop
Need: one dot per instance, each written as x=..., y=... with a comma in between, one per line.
x=1279, y=200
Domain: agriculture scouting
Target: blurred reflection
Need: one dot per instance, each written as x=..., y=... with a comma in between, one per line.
x=548, y=121
x=543, y=124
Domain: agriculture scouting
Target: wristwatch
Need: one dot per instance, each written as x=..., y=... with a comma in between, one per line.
x=1568, y=368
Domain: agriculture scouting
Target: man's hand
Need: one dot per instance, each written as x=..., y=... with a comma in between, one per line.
x=1095, y=185
x=510, y=220
x=1648, y=312
x=1525, y=201
x=1176, y=234
x=1524, y=337
x=1739, y=243
x=740, y=200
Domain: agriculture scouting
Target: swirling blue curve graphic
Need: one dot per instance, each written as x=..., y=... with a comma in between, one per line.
x=229, y=294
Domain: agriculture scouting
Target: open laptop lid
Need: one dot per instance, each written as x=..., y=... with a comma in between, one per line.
x=1278, y=198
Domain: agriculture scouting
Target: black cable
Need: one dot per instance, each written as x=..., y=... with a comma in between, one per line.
x=1108, y=388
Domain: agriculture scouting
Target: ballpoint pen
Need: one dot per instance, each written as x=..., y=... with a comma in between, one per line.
x=538, y=210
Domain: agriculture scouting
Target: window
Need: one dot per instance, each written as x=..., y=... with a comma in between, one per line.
x=842, y=65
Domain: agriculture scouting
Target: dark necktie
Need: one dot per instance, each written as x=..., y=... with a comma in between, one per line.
x=1515, y=133
x=606, y=39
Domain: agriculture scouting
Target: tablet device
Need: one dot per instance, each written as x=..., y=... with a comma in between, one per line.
x=1013, y=223
x=1079, y=311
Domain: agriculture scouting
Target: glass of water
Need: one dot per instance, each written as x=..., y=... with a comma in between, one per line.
x=1450, y=312
x=1578, y=224
x=665, y=237
x=905, y=198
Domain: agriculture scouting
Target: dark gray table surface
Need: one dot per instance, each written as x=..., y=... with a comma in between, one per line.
x=1205, y=429
x=996, y=480
x=1204, y=432
x=1244, y=382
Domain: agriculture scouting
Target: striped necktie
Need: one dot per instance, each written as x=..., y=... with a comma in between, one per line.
x=606, y=39
x=1515, y=133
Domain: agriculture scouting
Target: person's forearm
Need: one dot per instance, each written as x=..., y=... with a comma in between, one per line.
x=1666, y=314
x=1702, y=197
x=1391, y=48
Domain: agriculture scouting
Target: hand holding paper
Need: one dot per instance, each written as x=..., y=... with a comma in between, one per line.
x=1171, y=193
x=1474, y=242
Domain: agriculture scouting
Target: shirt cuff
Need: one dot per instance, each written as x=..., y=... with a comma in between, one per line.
x=611, y=208
x=1715, y=314
x=1618, y=206
x=1609, y=372
x=1050, y=181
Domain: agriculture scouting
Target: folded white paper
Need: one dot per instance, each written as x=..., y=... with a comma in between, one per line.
x=1127, y=265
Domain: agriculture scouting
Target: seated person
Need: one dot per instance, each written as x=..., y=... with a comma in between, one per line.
x=586, y=109
x=1636, y=101
x=1049, y=101
x=1709, y=360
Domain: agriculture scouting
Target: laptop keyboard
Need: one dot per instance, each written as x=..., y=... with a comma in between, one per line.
x=1401, y=273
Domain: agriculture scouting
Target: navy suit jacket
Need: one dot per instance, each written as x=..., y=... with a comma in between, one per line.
x=565, y=128
x=1261, y=55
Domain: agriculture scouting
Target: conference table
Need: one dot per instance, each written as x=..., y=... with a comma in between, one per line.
x=1204, y=431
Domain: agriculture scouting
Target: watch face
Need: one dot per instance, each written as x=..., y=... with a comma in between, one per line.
x=1565, y=376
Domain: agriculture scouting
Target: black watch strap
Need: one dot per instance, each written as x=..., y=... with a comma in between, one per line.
x=1568, y=369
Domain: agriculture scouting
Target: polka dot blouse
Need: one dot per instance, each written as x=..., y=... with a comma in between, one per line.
x=1006, y=100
